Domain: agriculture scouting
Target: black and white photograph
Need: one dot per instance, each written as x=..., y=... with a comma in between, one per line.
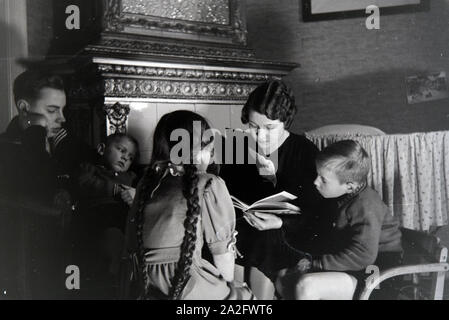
x=427, y=87
x=248, y=151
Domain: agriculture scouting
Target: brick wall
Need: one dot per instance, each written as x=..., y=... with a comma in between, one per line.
x=353, y=75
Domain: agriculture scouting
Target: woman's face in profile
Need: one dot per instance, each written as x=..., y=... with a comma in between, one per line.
x=266, y=132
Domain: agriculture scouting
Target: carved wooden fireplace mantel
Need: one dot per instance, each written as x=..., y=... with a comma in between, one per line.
x=153, y=57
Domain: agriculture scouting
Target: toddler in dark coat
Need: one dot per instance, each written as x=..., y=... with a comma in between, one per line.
x=107, y=190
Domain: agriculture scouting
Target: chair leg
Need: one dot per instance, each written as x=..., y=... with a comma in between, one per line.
x=261, y=286
x=239, y=273
x=415, y=281
x=438, y=286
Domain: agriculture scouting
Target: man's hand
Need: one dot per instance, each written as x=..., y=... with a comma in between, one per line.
x=33, y=119
x=28, y=119
x=127, y=194
x=263, y=221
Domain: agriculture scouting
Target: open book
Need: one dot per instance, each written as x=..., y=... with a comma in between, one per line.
x=275, y=204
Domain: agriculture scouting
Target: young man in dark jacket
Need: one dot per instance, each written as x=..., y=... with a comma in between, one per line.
x=38, y=157
x=37, y=162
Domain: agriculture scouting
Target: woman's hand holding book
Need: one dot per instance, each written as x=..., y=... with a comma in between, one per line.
x=263, y=221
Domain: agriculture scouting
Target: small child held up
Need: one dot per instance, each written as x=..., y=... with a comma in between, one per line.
x=362, y=231
x=107, y=192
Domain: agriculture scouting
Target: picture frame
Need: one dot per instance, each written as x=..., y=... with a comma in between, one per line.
x=427, y=87
x=319, y=10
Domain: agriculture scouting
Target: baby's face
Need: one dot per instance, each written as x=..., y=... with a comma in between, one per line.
x=328, y=184
x=120, y=154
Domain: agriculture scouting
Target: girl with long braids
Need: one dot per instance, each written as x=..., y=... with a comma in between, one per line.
x=178, y=208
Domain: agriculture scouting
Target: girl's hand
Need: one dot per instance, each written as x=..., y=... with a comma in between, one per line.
x=128, y=194
x=263, y=221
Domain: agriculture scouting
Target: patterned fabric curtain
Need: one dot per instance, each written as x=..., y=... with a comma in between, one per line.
x=410, y=172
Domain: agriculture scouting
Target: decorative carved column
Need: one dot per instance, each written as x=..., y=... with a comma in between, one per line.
x=117, y=118
x=156, y=56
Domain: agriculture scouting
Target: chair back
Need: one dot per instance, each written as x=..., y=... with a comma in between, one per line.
x=422, y=247
x=423, y=254
x=345, y=129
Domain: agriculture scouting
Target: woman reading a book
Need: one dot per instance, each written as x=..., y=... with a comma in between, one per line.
x=284, y=162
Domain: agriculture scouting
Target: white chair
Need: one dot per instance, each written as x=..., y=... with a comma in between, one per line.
x=423, y=254
x=344, y=129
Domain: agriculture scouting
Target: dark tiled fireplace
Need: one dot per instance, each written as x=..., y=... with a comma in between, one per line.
x=156, y=56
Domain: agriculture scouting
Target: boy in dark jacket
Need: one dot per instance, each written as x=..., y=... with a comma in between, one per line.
x=38, y=158
x=362, y=233
x=109, y=180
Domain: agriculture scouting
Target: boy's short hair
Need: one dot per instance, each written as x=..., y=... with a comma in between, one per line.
x=119, y=136
x=347, y=159
x=28, y=85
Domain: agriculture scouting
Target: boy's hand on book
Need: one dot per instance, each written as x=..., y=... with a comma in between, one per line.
x=263, y=221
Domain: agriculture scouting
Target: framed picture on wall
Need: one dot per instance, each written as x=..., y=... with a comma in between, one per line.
x=422, y=88
x=316, y=10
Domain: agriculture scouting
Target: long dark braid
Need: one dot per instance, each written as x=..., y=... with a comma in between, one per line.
x=190, y=191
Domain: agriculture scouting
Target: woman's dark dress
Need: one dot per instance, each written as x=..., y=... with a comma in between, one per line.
x=268, y=250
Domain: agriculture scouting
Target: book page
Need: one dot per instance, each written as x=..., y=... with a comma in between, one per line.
x=239, y=204
x=273, y=206
x=274, y=211
x=280, y=197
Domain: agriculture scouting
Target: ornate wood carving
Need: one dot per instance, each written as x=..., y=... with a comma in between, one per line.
x=117, y=117
x=116, y=20
x=141, y=58
x=112, y=15
x=128, y=45
x=154, y=80
x=206, y=11
x=130, y=88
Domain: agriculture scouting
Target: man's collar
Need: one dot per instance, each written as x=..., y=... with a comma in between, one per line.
x=13, y=131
